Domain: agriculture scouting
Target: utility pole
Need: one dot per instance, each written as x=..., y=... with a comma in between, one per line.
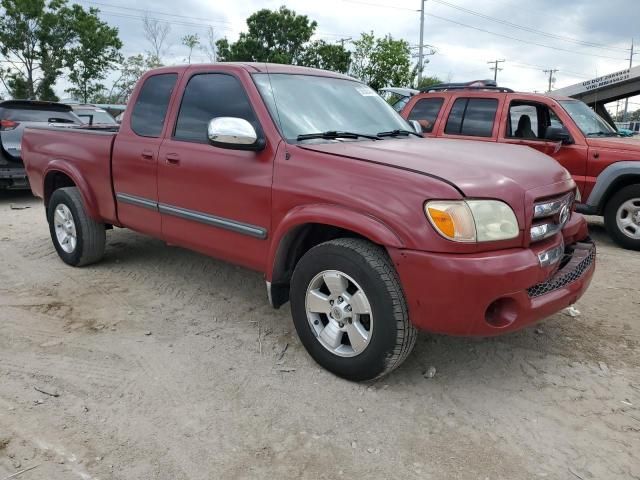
x=495, y=68
x=343, y=40
x=626, y=100
x=551, y=72
x=421, y=44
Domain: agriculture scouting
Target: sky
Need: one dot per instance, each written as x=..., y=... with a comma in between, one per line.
x=582, y=39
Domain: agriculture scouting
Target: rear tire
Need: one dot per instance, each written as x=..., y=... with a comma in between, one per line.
x=622, y=217
x=359, y=345
x=78, y=239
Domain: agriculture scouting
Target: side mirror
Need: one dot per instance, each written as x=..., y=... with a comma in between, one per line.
x=558, y=134
x=416, y=126
x=234, y=133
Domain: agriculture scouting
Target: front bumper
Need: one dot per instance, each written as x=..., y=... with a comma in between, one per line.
x=494, y=292
x=14, y=178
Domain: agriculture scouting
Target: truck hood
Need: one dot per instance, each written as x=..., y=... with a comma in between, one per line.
x=616, y=143
x=477, y=169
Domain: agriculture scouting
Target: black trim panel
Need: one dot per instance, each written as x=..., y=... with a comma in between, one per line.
x=137, y=201
x=212, y=220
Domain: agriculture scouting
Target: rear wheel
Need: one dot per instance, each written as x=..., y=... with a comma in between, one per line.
x=349, y=309
x=78, y=239
x=622, y=217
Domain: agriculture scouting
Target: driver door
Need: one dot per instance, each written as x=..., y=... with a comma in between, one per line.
x=212, y=199
x=531, y=132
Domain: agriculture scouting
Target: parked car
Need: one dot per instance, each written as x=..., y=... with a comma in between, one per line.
x=605, y=166
x=93, y=116
x=312, y=179
x=15, y=115
x=397, y=97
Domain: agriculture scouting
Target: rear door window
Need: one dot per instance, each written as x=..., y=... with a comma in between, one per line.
x=150, y=110
x=425, y=112
x=473, y=117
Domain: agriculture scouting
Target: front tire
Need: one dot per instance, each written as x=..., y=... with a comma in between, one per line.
x=622, y=217
x=78, y=239
x=349, y=309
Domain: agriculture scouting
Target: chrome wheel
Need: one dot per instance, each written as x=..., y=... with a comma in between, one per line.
x=628, y=218
x=339, y=313
x=65, y=228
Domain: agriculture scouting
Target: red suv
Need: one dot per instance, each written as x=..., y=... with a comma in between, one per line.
x=604, y=165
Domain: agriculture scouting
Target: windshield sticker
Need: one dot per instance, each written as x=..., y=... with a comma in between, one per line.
x=366, y=91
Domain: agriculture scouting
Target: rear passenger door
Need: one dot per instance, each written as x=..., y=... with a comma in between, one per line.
x=135, y=155
x=472, y=118
x=425, y=111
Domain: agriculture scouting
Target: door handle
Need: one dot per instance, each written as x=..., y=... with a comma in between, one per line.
x=173, y=158
x=147, y=154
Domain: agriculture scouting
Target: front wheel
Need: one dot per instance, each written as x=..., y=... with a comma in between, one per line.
x=349, y=309
x=78, y=239
x=622, y=217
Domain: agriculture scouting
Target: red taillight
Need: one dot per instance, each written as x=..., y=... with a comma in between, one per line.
x=8, y=125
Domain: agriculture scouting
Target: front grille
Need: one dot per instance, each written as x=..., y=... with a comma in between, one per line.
x=581, y=256
x=550, y=216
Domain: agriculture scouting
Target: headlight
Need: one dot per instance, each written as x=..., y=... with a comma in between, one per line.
x=473, y=220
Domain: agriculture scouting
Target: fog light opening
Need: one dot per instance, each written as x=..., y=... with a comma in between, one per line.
x=502, y=312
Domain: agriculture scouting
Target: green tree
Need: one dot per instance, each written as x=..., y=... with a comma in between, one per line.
x=129, y=72
x=381, y=62
x=34, y=35
x=191, y=42
x=277, y=36
x=320, y=54
x=428, y=82
x=96, y=50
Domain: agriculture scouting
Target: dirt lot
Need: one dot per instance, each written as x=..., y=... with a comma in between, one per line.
x=169, y=365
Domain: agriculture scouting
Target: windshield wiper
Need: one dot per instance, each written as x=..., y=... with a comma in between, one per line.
x=601, y=134
x=334, y=134
x=397, y=133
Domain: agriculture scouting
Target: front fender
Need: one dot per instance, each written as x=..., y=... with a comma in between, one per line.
x=608, y=177
x=326, y=214
x=68, y=169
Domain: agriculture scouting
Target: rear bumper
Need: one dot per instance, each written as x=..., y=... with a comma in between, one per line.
x=495, y=292
x=13, y=178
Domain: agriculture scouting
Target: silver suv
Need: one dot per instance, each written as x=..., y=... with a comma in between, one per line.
x=15, y=115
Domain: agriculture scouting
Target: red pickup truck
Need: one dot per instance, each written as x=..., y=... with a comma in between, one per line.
x=309, y=177
x=604, y=164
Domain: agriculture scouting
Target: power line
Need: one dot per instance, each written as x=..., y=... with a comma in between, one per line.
x=529, y=29
x=431, y=15
x=146, y=11
x=382, y=5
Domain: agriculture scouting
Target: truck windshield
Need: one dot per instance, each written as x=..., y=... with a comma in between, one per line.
x=591, y=124
x=307, y=104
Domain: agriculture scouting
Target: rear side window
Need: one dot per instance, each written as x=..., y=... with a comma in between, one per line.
x=426, y=112
x=208, y=96
x=472, y=116
x=147, y=118
x=33, y=115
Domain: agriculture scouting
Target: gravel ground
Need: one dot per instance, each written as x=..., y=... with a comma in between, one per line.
x=169, y=365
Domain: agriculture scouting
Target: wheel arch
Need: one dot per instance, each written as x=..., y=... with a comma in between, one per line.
x=305, y=227
x=613, y=178
x=60, y=174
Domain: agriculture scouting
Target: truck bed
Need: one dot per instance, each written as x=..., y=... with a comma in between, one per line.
x=83, y=155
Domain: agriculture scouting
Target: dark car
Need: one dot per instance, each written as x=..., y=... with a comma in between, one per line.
x=15, y=115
